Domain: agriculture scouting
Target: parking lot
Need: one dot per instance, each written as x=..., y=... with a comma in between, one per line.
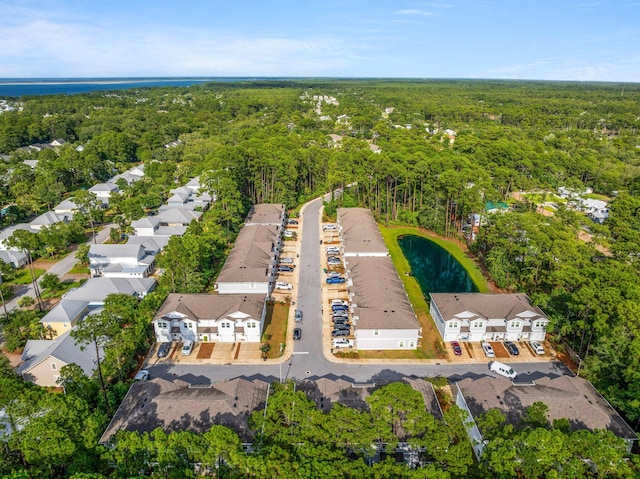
x=472, y=352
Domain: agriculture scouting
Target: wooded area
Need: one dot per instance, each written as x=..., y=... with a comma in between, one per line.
x=427, y=154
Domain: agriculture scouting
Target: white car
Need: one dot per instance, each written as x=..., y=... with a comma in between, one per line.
x=329, y=227
x=339, y=302
x=333, y=250
x=488, y=350
x=286, y=260
x=342, y=343
x=142, y=375
x=502, y=369
x=288, y=234
x=283, y=285
x=537, y=347
x=187, y=347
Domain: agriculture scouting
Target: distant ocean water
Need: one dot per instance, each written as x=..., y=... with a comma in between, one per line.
x=16, y=87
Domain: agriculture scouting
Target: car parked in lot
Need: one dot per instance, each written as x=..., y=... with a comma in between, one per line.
x=336, y=280
x=292, y=222
x=340, y=325
x=333, y=261
x=488, y=350
x=283, y=285
x=333, y=250
x=286, y=260
x=457, y=350
x=187, y=347
x=285, y=269
x=163, y=349
x=512, y=348
x=297, y=333
x=342, y=343
x=340, y=332
x=339, y=302
x=341, y=322
x=329, y=227
x=339, y=307
x=537, y=347
x=289, y=234
x=333, y=274
x=142, y=375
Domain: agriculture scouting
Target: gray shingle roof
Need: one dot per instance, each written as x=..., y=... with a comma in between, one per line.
x=360, y=233
x=266, y=214
x=252, y=255
x=212, y=306
x=486, y=305
x=66, y=311
x=95, y=290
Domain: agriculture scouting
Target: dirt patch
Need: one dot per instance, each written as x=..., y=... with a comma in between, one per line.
x=468, y=348
x=235, y=356
x=14, y=358
x=500, y=350
x=205, y=351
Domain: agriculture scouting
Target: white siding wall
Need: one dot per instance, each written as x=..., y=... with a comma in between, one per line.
x=243, y=288
x=386, y=338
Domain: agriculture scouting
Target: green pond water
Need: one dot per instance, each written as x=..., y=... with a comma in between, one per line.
x=435, y=269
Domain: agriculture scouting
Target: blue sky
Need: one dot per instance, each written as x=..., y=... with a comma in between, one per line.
x=511, y=39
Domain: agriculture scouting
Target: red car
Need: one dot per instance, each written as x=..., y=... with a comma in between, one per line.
x=457, y=350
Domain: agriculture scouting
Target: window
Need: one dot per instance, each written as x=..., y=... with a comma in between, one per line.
x=539, y=324
x=412, y=344
x=251, y=325
x=162, y=324
x=376, y=332
x=453, y=324
x=516, y=324
x=189, y=325
x=401, y=344
x=54, y=366
x=225, y=325
x=477, y=324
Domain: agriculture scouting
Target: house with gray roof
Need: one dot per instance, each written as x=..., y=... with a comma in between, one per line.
x=104, y=191
x=152, y=244
x=43, y=359
x=210, y=318
x=120, y=261
x=267, y=214
x=17, y=259
x=63, y=316
x=359, y=233
x=487, y=317
x=7, y=232
x=66, y=207
x=566, y=397
x=382, y=313
x=178, y=406
x=48, y=219
x=95, y=290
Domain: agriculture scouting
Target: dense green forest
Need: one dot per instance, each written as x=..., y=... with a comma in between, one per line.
x=427, y=153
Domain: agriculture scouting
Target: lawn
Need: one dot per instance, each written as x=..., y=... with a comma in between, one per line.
x=79, y=269
x=24, y=277
x=275, y=327
x=65, y=286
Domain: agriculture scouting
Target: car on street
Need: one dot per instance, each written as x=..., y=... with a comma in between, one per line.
x=342, y=343
x=340, y=332
x=163, y=349
x=537, y=347
x=298, y=316
x=187, y=347
x=502, y=369
x=283, y=285
x=285, y=269
x=338, y=280
x=488, y=350
x=512, y=348
x=142, y=375
x=457, y=350
x=297, y=333
x=329, y=227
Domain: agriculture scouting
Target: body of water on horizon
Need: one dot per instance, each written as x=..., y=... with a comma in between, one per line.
x=17, y=87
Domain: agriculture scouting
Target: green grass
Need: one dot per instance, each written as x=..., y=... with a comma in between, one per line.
x=65, y=286
x=275, y=327
x=79, y=269
x=24, y=277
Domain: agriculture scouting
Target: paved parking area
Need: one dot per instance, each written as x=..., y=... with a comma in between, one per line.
x=472, y=352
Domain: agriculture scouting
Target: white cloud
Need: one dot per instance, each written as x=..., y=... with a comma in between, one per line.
x=414, y=12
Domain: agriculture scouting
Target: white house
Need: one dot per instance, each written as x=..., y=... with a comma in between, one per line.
x=595, y=209
x=120, y=261
x=48, y=219
x=104, y=191
x=68, y=207
x=211, y=318
x=487, y=317
x=95, y=290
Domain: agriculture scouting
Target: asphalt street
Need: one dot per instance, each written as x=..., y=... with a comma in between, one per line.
x=308, y=360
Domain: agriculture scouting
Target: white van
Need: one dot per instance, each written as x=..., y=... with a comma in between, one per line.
x=502, y=369
x=342, y=343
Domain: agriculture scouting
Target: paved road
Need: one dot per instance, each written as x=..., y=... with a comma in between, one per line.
x=308, y=360
x=60, y=268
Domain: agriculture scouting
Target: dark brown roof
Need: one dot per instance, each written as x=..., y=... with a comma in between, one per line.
x=567, y=397
x=487, y=306
x=252, y=255
x=380, y=299
x=266, y=214
x=176, y=406
x=212, y=306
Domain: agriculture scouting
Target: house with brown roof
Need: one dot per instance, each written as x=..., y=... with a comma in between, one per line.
x=571, y=398
x=210, y=318
x=180, y=406
x=487, y=317
x=359, y=233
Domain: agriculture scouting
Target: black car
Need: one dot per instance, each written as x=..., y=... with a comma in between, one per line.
x=285, y=269
x=340, y=332
x=164, y=349
x=512, y=348
x=297, y=333
x=338, y=327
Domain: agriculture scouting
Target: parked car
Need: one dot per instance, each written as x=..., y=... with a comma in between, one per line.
x=339, y=325
x=537, y=347
x=342, y=322
x=333, y=274
x=187, y=347
x=340, y=332
x=512, y=348
x=142, y=375
x=502, y=369
x=297, y=333
x=342, y=343
x=285, y=269
x=292, y=222
x=339, y=302
x=339, y=307
x=340, y=315
x=329, y=227
x=298, y=316
x=283, y=285
x=333, y=250
x=457, y=350
x=288, y=234
x=163, y=349
x=488, y=350
x=336, y=280
x=286, y=260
